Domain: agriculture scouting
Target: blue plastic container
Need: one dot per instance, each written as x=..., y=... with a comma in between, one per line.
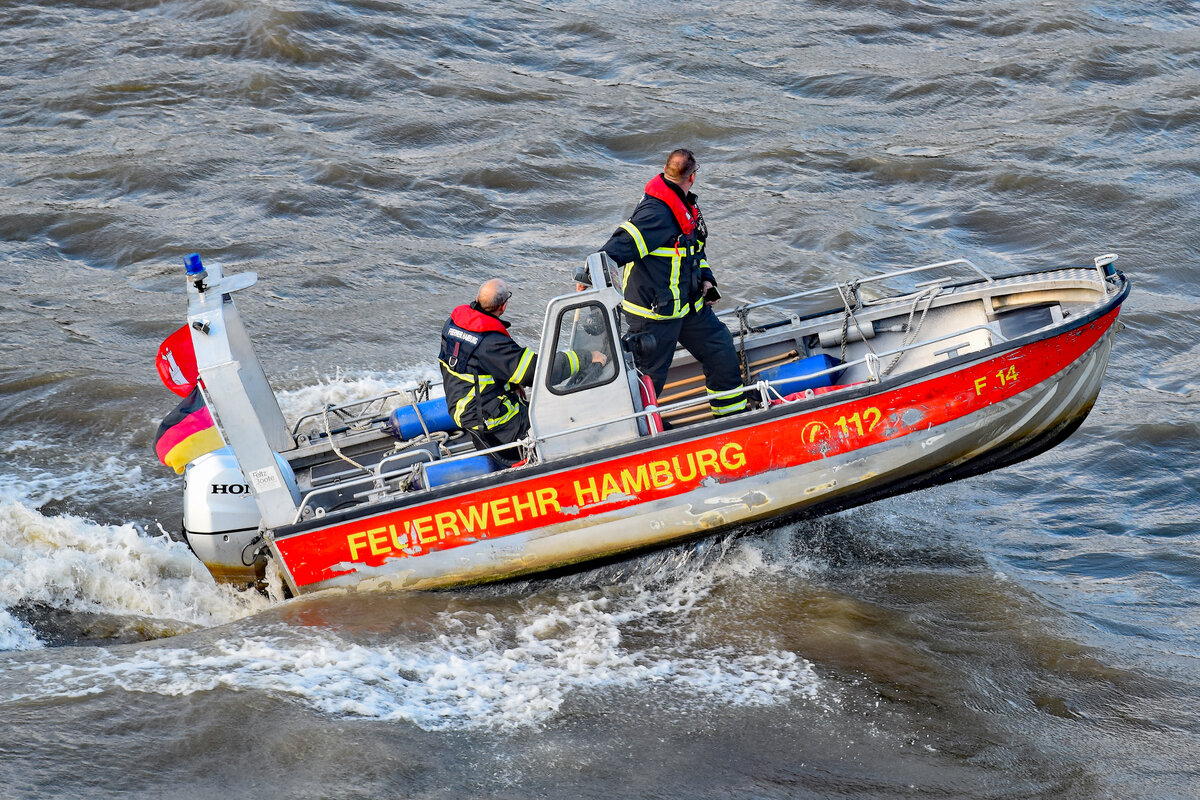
x=405, y=424
x=793, y=377
x=441, y=472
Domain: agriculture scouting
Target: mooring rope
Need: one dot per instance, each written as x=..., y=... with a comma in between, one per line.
x=850, y=289
x=743, y=314
x=333, y=444
x=910, y=333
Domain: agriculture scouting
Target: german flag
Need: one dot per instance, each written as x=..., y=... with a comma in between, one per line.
x=187, y=433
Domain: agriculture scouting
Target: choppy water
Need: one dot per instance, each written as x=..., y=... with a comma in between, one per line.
x=1029, y=633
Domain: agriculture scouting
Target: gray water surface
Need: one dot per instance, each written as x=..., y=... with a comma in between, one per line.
x=1027, y=633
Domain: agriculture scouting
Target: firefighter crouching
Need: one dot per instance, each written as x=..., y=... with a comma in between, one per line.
x=484, y=370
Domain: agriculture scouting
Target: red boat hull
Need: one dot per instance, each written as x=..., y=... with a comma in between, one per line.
x=837, y=450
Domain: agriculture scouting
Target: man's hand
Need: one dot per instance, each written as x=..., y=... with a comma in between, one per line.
x=599, y=358
x=704, y=287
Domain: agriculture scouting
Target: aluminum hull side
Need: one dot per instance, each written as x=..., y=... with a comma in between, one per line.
x=1016, y=427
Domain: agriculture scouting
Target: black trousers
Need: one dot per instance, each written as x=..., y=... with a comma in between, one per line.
x=510, y=431
x=701, y=334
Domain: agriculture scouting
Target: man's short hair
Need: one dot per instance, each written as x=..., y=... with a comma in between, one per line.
x=680, y=165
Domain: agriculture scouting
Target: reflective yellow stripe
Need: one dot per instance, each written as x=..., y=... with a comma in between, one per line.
x=498, y=421
x=632, y=230
x=522, y=366
x=727, y=401
x=573, y=360
x=676, y=262
x=646, y=313
x=666, y=251
x=461, y=406
x=723, y=410
x=484, y=380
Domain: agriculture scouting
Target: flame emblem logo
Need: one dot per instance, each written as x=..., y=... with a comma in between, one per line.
x=814, y=431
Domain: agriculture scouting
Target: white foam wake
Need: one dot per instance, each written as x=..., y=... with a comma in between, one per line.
x=71, y=564
x=479, y=668
x=348, y=388
x=650, y=630
x=66, y=563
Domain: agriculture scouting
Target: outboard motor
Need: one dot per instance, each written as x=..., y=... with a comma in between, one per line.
x=221, y=519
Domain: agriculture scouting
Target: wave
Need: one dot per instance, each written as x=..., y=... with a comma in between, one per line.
x=496, y=658
x=64, y=578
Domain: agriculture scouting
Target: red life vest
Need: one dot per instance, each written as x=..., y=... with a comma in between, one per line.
x=473, y=319
x=685, y=214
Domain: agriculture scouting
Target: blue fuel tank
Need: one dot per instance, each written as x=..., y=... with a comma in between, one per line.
x=798, y=375
x=442, y=472
x=405, y=424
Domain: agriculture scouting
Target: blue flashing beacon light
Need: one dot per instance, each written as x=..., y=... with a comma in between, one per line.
x=195, y=270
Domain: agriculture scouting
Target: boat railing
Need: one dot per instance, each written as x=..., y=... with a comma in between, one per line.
x=360, y=414
x=853, y=286
x=356, y=413
x=377, y=481
x=873, y=359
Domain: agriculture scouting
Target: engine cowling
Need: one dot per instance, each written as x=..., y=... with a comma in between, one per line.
x=220, y=518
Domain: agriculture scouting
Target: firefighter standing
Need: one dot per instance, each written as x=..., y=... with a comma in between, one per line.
x=669, y=288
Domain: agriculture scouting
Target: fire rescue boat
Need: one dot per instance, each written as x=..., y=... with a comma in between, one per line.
x=886, y=384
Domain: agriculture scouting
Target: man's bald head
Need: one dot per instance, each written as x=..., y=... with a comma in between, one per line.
x=493, y=295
